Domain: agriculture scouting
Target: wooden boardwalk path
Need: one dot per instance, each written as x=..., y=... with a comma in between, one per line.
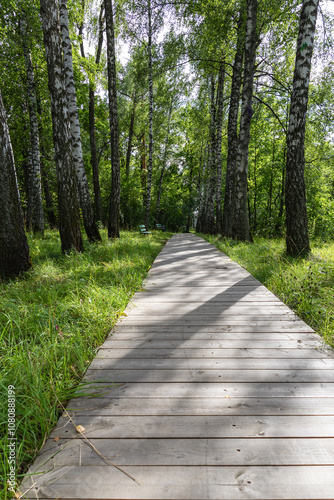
x=209, y=388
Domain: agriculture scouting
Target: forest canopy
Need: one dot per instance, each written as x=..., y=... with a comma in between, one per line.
x=213, y=114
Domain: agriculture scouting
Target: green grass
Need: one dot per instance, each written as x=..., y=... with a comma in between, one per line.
x=306, y=285
x=52, y=321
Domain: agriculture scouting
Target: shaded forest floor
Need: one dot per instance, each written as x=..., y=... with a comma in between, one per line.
x=305, y=285
x=52, y=321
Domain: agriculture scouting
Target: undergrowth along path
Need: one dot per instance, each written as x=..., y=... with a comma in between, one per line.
x=208, y=388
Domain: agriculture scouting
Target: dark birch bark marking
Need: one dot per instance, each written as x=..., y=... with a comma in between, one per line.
x=241, y=229
x=83, y=189
x=150, y=144
x=14, y=250
x=68, y=206
x=232, y=132
x=115, y=196
x=297, y=238
x=164, y=164
x=219, y=125
x=34, y=177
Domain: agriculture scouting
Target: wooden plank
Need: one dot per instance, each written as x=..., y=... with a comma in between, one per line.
x=317, y=365
x=213, y=309
x=197, y=283
x=209, y=376
x=228, y=325
x=173, y=296
x=198, y=319
x=211, y=344
x=185, y=483
x=207, y=390
x=185, y=452
x=212, y=353
x=109, y=406
x=197, y=427
x=205, y=336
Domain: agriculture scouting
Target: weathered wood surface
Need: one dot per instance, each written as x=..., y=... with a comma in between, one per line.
x=207, y=388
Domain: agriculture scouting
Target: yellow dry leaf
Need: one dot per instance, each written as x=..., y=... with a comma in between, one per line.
x=18, y=494
x=227, y=396
x=80, y=429
x=56, y=438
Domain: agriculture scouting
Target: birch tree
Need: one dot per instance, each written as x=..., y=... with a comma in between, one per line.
x=297, y=238
x=219, y=128
x=164, y=164
x=34, y=173
x=241, y=230
x=68, y=206
x=14, y=250
x=208, y=209
x=83, y=189
x=115, y=196
x=150, y=116
x=232, y=130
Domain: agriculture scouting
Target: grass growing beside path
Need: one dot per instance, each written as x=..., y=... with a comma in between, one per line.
x=305, y=285
x=52, y=321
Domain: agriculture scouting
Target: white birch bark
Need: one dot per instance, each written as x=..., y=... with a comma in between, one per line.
x=164, y=164
x=208, y=210
x=115, y=197
x=150, y=145
x=34, y=178
x=68, y=207
x=232, y=130
x=297, y=238
x=219, y=127
x=241, y=230
x=85, y=202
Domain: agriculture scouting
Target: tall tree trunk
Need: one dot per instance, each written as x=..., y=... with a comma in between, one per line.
x=219, y=125
x=202, y=188
x=83, y=189
x=241, y=229
x=279, y=222
x=27, y=213
x=297, y=238
x=115, y=196
x=92, y=138
x=94, y=159
x=150, y=118
x=232, y=131
x=208, y=218
x=14, y=250
x=68, y=206
x=131, y=129
x=164, y=164
x=143, y=167
x=34, y=178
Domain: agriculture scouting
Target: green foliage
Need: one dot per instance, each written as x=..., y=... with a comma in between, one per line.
x=54, y=319
x=305, y=285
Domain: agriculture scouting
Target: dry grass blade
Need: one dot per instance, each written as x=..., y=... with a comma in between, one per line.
x=87, y=441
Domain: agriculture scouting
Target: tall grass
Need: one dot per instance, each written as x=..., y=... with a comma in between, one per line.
x=306, y=285
x=52, y=321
